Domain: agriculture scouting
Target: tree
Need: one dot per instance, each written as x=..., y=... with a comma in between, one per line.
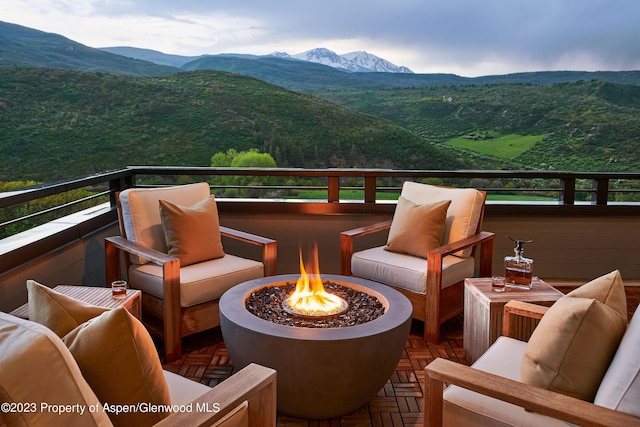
x=253, y=159
x=223, y=160
x=229, y=185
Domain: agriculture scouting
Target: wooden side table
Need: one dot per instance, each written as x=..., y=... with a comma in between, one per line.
x=94, y=295
x=483, y=312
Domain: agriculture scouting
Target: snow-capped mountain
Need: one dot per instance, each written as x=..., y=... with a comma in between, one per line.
x=354, y=61
x=365, y=60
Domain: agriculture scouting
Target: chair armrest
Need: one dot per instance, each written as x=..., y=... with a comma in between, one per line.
x=115, y=244
x=255, y=383
x=451, y=248
x=532, y=398
x=347, y=238
x=435, y=256
x=269, y=247
x=133, y=248
x=513, y=309
x=367, y=229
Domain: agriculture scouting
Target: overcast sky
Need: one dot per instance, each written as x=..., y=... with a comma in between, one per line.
x=465, y=37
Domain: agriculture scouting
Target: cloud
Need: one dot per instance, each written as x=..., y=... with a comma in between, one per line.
x=465, y=37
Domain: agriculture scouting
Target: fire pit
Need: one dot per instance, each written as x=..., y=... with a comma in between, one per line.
x=333, y=350
x=323, y=372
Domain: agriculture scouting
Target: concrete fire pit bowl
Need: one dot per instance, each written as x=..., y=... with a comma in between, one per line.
x=322, y=372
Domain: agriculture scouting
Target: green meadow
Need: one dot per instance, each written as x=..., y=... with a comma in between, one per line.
x=502, y=146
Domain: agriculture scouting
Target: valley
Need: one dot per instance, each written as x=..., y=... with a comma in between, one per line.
x=67, y=110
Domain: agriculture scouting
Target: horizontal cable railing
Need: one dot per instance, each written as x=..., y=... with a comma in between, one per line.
x=55, y=209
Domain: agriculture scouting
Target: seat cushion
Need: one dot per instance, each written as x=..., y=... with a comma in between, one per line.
x=119, y=360
x=620, y=387
x=573, y=345
x=407, y=271
x=417, y=229
x=192, y=233
x=141, y=212
x=35, y=366
x=202, y=282
x=183, y=390
x=463, y=215
x=466, y=408
x=56, y=311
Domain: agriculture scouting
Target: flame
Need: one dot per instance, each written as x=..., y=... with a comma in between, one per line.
x=309, y=298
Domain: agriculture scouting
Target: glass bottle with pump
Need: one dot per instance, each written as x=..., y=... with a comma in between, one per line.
x=518, y=269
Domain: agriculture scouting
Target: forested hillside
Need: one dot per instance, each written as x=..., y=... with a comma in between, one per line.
x=25, y=47
x=581, y=126
x=60, y=124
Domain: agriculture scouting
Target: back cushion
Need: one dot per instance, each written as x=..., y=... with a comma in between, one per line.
x=573, y=345
x=141, y=212
x=620, y=387
x=35, y=366
x=463, y=215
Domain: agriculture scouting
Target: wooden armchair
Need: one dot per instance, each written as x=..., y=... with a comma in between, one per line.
x=177, y=300
x=434, y=285
x=500, y=400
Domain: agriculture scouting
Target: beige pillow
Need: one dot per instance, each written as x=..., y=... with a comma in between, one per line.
x=192, y=233
x=56, y=311
x=119, y=361
x=35, y=369
x=464, y=213
x=571, y=348
x=417, y=229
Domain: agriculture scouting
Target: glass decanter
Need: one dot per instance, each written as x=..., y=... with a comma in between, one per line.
x=518, y=269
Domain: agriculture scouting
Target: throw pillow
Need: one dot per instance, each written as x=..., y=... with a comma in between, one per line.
x=119, y=360
x=37, y=369
x=417, y=229
x=56, y=311
x=572, y=346
x=463, y=215
x=192, y=233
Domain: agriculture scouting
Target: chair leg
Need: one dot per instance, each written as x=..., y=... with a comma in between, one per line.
x=112, y=262
x=172, y=311
x=434, y=300
x=432, y=332
x=432, y=401
x=172, y=348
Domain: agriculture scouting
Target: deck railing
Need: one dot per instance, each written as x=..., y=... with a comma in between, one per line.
x=318, y=191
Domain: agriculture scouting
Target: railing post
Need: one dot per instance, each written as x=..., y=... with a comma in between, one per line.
x=333, y=194
x=600, y=191
x=568, y=196
x=369, y=189
x=118, y=184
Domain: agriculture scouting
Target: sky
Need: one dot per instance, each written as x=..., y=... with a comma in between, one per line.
x=465, y=37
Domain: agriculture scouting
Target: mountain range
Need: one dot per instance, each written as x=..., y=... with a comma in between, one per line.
x=359, y=62
x=23, y=46
x=362, y=62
